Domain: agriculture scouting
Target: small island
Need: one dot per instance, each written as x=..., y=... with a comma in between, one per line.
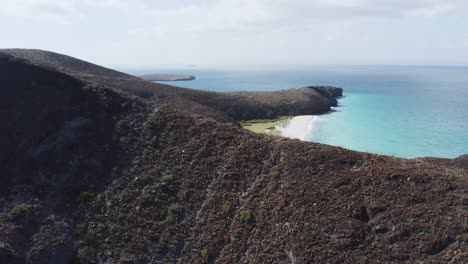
x=167, y=77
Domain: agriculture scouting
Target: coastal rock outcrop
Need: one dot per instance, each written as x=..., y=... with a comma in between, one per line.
x=269, y=105
x=97, y=173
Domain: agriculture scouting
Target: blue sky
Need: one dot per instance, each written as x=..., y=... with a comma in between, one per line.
x=241, y=33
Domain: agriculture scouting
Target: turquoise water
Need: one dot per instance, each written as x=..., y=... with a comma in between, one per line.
x=394, y=110
x=393, y=125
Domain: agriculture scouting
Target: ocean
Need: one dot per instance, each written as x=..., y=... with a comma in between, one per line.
x=403, y=111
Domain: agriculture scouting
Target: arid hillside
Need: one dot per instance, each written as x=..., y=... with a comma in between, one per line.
x=97, y=173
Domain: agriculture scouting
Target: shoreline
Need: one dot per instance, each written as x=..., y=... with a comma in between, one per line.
x=294, y=127
x=299, y=127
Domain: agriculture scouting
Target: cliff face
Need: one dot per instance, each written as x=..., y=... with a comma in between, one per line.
x=93, y=174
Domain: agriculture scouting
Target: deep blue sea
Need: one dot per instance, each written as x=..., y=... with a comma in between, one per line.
x=404, y=111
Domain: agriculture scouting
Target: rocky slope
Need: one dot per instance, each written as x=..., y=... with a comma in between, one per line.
x=93, y=173
x=459, y=162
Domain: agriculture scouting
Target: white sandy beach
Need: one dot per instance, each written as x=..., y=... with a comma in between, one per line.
x=298, y=127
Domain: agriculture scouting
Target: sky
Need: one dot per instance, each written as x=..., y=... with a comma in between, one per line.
x=148, y=34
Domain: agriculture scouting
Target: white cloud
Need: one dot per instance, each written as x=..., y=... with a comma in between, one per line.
x=254, y=16
x=42, y=10
x=251, y=30
x=233, y=15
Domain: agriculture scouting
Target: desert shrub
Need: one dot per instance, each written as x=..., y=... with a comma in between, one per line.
x=204, y=252
x=119, y=125
x=184, y=195
x=185, y=223
x=274, y=174
x=121, y=196
x=91, y=234
x=168, y=220
x=246, y=215
x=462, y=237
x=227, y=208
x=174, y=207
x=154, y=140
x=19, y=209
x=168, y=178
x=50, y=219
x=125, y=140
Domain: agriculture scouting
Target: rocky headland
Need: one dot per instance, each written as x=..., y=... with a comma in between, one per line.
x=103, y=167
x=227, y=107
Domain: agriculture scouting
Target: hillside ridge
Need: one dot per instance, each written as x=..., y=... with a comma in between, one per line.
x=226, y=107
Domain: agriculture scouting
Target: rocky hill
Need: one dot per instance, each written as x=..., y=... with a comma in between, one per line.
x=220, y=106
x=97, y=170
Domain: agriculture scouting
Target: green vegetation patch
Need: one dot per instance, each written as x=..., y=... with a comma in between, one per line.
x=227, y=207
x=119, y=125
x=264, y=125
x=174, y=207
x=462, y=237
x=91, y=234
x=251, y=122
x=168, y=178
x=252, y=261
x=184, y=195
x=204, y=252
x=260, y=127
x=125, y=140
x=19, y=209
x=246, y=215
x=169, y=220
